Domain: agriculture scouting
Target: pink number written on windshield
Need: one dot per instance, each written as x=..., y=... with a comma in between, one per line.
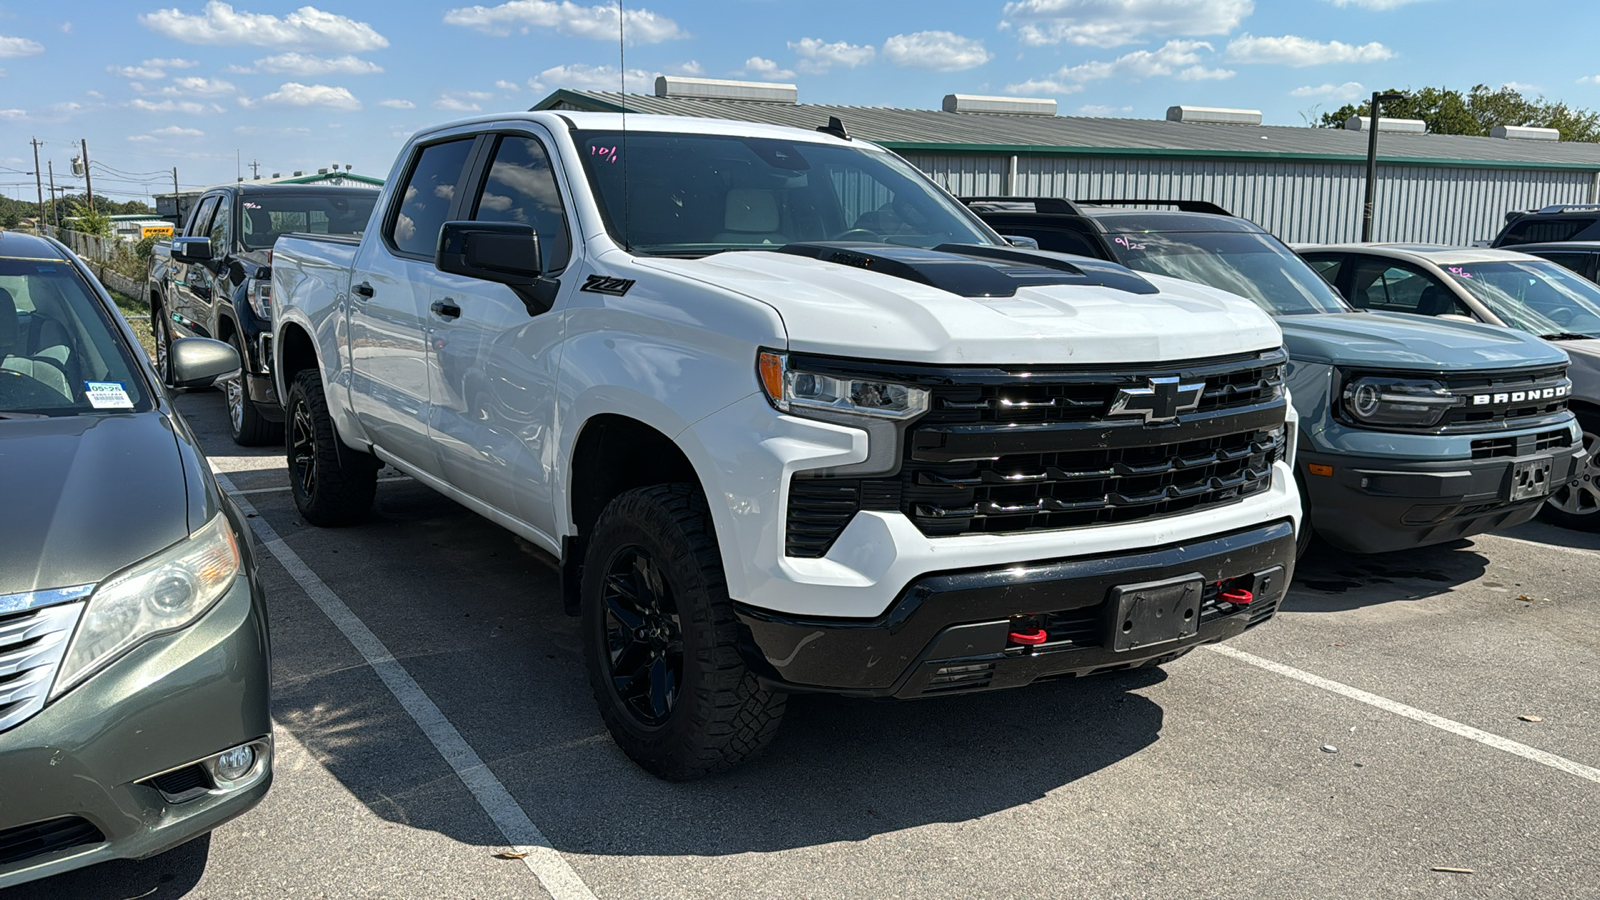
x=609, y=154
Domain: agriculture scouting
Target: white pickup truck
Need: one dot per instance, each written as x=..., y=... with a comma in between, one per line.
x=791, y=418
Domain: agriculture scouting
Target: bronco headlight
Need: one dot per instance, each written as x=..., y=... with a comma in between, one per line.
x=164, y=593
x=1405, y=402
x=795, y=391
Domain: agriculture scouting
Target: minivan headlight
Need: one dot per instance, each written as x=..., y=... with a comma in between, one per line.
x=161, y=594
x=1406, y=402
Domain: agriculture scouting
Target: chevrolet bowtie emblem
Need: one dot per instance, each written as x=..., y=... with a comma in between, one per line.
x=1160, y=402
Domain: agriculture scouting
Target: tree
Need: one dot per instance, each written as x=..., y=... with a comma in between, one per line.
x=1478, y=111
x=97, y=222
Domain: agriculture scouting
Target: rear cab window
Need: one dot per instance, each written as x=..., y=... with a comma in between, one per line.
x=265, y=217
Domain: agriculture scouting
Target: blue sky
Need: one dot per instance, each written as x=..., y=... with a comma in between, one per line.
x=204, y=85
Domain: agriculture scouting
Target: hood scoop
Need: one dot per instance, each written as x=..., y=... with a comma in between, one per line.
x=976, y=270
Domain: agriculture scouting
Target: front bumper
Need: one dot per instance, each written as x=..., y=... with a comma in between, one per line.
x=1377, y=504
x=71, y=773
x=950, y=632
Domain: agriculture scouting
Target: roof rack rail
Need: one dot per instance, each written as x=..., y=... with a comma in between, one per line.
x=1192, y=206
x=1040, y=204
x=1570, y=207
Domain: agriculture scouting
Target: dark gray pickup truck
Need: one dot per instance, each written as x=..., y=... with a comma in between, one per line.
x=214, y=279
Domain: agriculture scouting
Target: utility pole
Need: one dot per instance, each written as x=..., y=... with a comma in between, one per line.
x=255, y=170
x=38, y=180
x=1378, y=98
x=88, y=180
x=54, y=218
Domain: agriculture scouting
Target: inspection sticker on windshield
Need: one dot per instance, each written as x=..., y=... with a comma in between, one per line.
x=107, y=395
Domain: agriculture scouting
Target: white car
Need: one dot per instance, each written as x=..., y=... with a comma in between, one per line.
x=1500, y=287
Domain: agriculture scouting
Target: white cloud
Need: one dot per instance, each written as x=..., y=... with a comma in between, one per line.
x=462, y=101
x=16, y=46
x=187, y=107
x=942, y=51
x=178, y=131
x=1373, y=4
x=13, y=114
x=692, y=69
x=146, y=73
x=599, y=22
x=1335, y=93
x=294, y=93
x=309, y=65
x=505, y=85
x=198, y=87
x=397, y=104
x=1589, y=79
x=1293, y=50
x=1179, y=59
x=307, y=26
x=170, y=63
x=766, y=69
x=818, y=56
x=1113, y=23
x=1102, y=111
x=141, y=138
x=1521, y=88
x=580, y=77
x=66, y=27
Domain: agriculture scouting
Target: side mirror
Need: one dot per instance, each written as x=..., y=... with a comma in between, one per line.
x=1017, y=240
x=191, y=249
x=195, y=362
x=504, y=252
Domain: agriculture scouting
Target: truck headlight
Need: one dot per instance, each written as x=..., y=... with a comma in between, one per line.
x=161, y=594
x=259, y=294
x=795, y=391
x=1405, y=402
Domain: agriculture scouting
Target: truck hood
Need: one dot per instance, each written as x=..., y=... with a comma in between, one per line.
x=842, y=310
x=86, y=496
x=1401, y=341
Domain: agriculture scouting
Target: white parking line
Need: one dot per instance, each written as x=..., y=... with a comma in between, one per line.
x=284, y=487
x=1410, y=712
x=1576, y=551
x=546, y=863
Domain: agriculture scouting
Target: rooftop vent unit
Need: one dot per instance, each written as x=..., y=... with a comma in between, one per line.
x=298, y=173
x=277, y=175
x=322, y=171
x=1404, y=126
x=680, y=87
x=1213, y=115
x=1003, y=106
x=1525, y=133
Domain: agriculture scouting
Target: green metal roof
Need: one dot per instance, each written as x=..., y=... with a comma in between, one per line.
x=935, y=131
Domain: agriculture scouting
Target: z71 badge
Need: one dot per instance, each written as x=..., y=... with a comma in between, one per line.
x=604, y=284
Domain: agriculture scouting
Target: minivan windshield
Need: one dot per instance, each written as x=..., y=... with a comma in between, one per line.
x=1536, y=296
x=61, y=353
x=266, y=216
x=695, y=194
x=1250, y=265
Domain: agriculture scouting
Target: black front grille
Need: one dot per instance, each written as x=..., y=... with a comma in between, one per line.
x=1493, y=448
x=1002, y=452
x=27, y=841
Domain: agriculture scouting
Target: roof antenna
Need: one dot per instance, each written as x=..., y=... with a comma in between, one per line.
x=834, y=127
x=622, y=81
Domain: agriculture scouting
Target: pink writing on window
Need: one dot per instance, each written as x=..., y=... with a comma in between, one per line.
x=610, y=154
x=1459, y=272
x=1129, y=244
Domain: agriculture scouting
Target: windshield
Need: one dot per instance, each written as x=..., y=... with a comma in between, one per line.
x=695, y=194
x=1250, y=265
x=61, y=353
x=1540, y=297
x=264, y=217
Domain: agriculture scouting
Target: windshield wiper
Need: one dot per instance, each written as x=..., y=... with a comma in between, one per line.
x=1567, y=336
x=22, y=415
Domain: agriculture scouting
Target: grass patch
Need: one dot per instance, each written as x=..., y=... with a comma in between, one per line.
x=138, y=316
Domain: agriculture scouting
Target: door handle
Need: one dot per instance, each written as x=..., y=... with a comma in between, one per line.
x=446, y=308
x=363, y=290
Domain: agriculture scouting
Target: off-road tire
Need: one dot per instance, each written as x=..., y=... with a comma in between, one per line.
x=342, y=481
x=1582, y=493
x=722, y=715
x=246, y=425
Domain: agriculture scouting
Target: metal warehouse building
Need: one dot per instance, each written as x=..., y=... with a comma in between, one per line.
x=1302, y=184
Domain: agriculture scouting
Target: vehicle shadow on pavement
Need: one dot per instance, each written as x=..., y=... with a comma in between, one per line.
x=171, y=874
x=1331, y=580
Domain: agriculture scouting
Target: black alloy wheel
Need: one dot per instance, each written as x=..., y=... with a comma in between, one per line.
x=302, y=451
x=332, y=484
x=162, y=332
x=644, y=637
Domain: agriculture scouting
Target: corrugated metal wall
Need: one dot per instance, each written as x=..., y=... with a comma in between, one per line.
x=1298, y=202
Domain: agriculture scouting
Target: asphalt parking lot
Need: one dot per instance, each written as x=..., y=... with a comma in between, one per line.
x=432, y=714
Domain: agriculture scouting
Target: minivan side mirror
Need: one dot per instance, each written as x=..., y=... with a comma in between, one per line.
x=191, y=249
x=195, y=362
x=504, y=252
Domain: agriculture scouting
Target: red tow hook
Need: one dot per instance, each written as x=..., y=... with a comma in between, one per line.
x=1239, y=596
x=1029, y=638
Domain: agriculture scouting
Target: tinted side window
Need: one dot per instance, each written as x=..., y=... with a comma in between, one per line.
x=426, y=199
x=221, y=227
x=1577, y=262
x=200, y=225
x=521, y=188
x=1396, y=287
x=1538, y=231
x=1326, y=266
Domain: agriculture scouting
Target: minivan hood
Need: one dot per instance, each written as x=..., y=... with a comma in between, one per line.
x=85, y=496
x=842, y=310
x=1403, y=341
x=1585, y=368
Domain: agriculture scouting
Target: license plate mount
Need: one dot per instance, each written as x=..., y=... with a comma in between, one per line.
x=1531, y=479
x=1155, y=612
